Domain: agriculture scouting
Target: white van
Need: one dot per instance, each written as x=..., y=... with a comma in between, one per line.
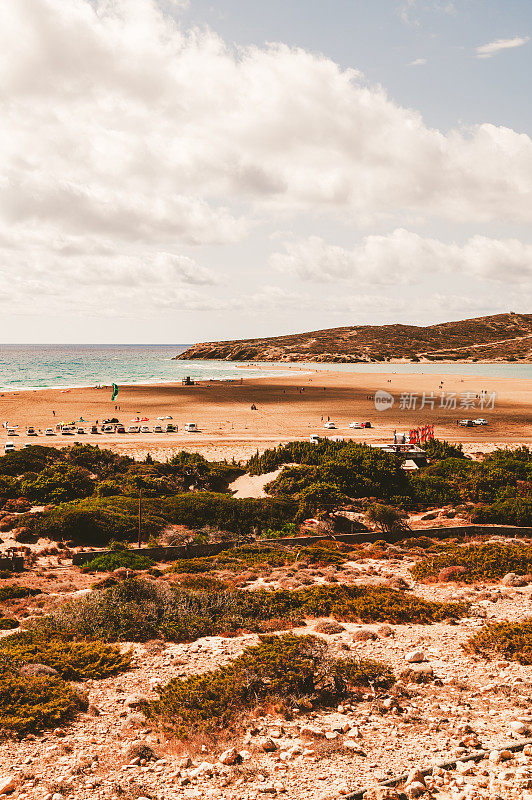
x=191, y=427
x=9, y=447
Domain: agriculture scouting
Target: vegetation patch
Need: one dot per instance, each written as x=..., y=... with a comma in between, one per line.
x=120, y=558
x=30, y=704
x=511, y=640
x=488, y=561
x=8, y=624
x=280, y=669
x=11, y=591
x=73, y=660
x=139, y=610
x=238, y=559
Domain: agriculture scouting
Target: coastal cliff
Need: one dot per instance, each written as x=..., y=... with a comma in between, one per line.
x=502, y=337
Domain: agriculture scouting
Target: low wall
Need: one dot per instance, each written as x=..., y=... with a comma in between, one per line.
x=212, y=549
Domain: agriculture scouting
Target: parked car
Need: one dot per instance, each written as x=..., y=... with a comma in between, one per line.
x=133, y=429
x=157, y=429
x=191, y=427
x=31, y=431
x=120, y=429
x=27, y=444
x=330, y=426
x=145, y=429
x=466, y=423
x=366, y=424
x=170, y=428
x=314, y=438
x=108, y=429
x=9, y=447
x=480, y=421
x=357, y=425
x=94, y=429
x=81, y=431
x=11, y=432
x=49, y=432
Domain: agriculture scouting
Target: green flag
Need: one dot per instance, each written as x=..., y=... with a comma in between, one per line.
x=115, y=391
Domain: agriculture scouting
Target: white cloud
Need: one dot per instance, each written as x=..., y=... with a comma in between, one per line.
x=418, y=62
x=492, y=48
x=405, y=257
x=125, y=140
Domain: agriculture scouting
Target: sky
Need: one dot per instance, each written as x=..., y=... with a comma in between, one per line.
x=176, y=171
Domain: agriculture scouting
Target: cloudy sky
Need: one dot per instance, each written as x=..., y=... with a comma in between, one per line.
x=177, y=171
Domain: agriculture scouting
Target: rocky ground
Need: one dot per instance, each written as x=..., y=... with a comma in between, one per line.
x=446, y=705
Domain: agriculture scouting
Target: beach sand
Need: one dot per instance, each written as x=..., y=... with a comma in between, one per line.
x=289, y=406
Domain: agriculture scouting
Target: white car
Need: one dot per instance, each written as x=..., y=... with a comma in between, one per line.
x=157, y=429
x=11, y=432
x=357, y=425
x=9, y=447
x=314, y=438
x=330, y=426
x=133, y=429
x=480, y=421
x=191, y=427
x=49, y=432
x=80, y=431
x=145, y=429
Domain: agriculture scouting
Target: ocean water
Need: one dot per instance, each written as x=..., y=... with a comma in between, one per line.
x=28, y=366
x=31, y=366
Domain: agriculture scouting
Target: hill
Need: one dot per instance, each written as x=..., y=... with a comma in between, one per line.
x=502, y=337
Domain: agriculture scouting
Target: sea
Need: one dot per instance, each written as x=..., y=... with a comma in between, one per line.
x=43, y=366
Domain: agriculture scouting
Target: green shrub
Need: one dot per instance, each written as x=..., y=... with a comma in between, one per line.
x=98, y=520
x=30, y=704
x=7, y=624
x=118, y=559
x=74, y=660
x=372, y=604
x=513, y=511
x=201, y=583
x=11, y=591
x=511, y=640
x=242, y=558
x=487, y=561
x=280, y=668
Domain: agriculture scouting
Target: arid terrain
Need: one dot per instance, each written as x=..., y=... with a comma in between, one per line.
x=445, y=705
x=501, y=337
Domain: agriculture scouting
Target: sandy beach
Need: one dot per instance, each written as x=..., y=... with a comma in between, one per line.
x=287, y=407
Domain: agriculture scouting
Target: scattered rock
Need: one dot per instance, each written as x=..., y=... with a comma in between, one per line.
x=415, y=657
x=229, y=757
x=140, y=750
x=8, y=785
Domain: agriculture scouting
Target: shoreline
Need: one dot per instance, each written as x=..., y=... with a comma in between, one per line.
x=306, y=368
